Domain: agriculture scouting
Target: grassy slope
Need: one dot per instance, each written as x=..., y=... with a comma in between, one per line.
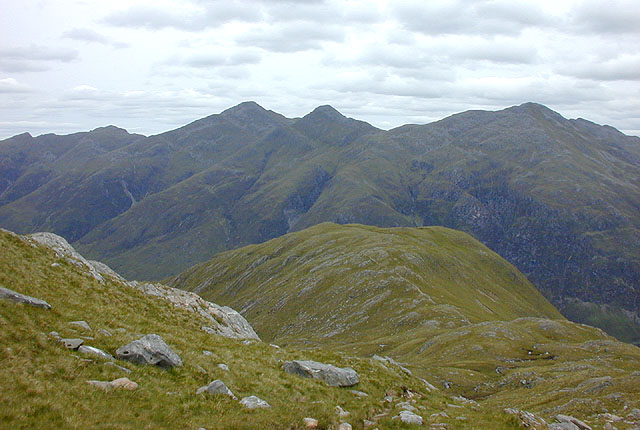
x=47, y=386
x=432, y=297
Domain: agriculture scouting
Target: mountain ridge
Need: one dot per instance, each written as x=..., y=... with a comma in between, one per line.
x=558, y=198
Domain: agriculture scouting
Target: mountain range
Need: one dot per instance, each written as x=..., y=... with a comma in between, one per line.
x=557, y=198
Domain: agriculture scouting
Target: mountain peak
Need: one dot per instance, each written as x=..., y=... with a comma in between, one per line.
x=245, y=108
x=538, y=110
x=327, y=111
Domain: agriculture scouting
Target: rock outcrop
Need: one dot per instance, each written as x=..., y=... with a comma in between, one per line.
x=149, y=349
x=66, y=251
x=15, y=296
x=332, y=375
x=224, y=321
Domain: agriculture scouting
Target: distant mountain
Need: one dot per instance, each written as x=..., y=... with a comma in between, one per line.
x=434, y=299
x=558, y=198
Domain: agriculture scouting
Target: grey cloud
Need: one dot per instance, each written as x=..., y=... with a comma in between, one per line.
x=88, y=35
x=215, y=59
x=33, y=58
x=622, y=68
x=466, y=17
x=291, y=37
x=38, y=53
x=616, y=16
x=209, y=15
x=12, y=86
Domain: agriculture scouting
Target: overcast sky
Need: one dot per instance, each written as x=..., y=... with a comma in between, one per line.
x=150, y=66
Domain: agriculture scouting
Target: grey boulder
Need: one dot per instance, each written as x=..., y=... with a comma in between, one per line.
x=149, y=349
x=216, y=387
x=409, y=417
x=72, y=343
x=332, y=375
x=14, y=296
x=253, y=402
x=94, y=351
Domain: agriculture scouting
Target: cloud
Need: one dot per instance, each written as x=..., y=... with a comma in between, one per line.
x=217, y=59
x=614, y=17
x=92, y=36
x=623, y=68
x=12, y=86
x=187, y=17
x=496, y=17
x=33, y=58
x=291, y=37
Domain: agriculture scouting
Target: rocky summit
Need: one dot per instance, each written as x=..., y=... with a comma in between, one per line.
x=557, y=198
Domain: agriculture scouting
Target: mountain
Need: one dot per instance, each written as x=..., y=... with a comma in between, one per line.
x=557, y=198
x=55, y=383
x=433, y=299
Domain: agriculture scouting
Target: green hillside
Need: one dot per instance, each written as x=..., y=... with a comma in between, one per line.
x=433, y=299
x=46, y=384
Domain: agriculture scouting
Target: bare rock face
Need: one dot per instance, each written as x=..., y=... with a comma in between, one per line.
x=224, y=321
x=332, y=375
x=569, y=419
x=14, y=296
x=409, y=417
x=149, y=349
x=528, y=420
x=66, y=251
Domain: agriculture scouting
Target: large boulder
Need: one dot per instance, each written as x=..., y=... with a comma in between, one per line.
x=149, y=349
x=332, y=375
x=15, y=296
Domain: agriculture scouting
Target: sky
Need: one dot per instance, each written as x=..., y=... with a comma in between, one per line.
x=151, y=66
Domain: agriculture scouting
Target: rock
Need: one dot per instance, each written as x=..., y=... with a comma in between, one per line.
x=112, y=364
x=72, y=343
x=569, y=419
x=104, y=332
x=216, y=387
x=368, y=424
x=342, y=413
x=124, y=383
x=63, y=250
x=310, y=423
x=54, y=334
x=528, y=419
x=359, y=393
x=407, y=407
x=103, y=385
x=608, y=426
x=345, y=426
x=224, y=367
x=635, y=414
x=82, y=324
x=253, y=402
x=563, y=426
x=223, y=321
x=332, y=375
x=409, y=417
x=207, y=353
x=94, y=351
x=14, y=296
x=149, y=349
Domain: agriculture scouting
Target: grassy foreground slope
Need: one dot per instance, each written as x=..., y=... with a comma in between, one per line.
x=45, y=384
x=433, y=298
